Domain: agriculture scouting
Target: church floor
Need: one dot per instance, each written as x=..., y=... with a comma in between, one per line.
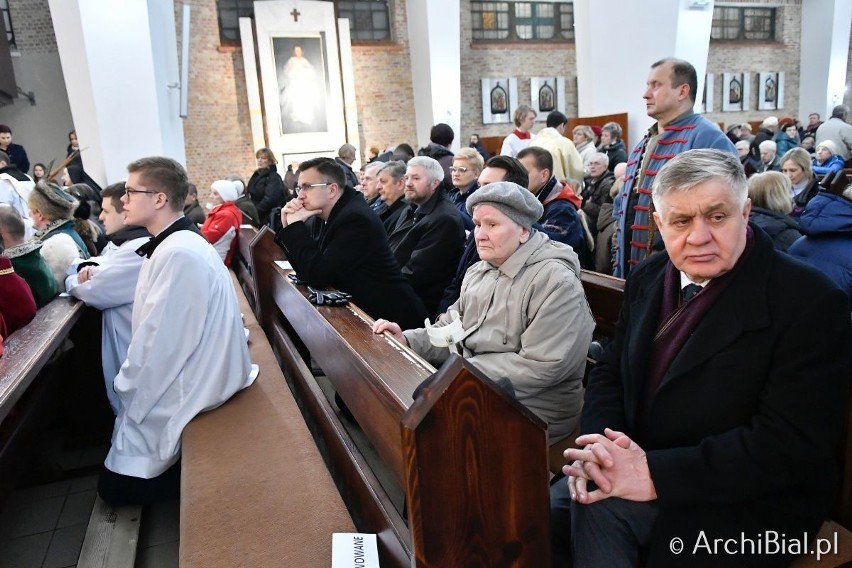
x=43, y=523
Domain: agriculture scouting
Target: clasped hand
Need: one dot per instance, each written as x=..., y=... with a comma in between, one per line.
x=294, y=211
x=614, y=462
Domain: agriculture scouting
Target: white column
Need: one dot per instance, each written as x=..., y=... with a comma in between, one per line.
x=824, y=53
x=642, y=33
x=120, y=64
x=435, y=47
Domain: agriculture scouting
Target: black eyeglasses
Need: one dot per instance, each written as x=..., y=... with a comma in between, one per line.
x=130, y=192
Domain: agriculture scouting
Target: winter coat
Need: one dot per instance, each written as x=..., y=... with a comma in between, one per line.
x=526, y=321
x=783, y=229
x=827, y=244
x=221, y=228
x=615, y=152
x=266, y=190
x=830, y=166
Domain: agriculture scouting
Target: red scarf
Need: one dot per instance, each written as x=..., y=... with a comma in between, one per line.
x=522, y=135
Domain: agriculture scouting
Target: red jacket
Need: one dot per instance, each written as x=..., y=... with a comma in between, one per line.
x=17, y=305
x=219, y=220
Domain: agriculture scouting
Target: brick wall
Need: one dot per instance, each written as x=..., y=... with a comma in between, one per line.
x=383, y=87
x=754, y=58
x=33, y=26
x=217, y=130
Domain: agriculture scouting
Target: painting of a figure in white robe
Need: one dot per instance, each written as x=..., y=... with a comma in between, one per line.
x=302, y=84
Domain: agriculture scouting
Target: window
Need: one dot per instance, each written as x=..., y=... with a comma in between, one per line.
x=7, y=21
x=743, y=24
x=522, y=21
x=369, y=20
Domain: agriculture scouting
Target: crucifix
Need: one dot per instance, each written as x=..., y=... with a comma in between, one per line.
x=295, y=13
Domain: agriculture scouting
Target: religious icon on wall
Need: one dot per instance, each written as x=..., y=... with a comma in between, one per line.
x=499, y=100
x=302, y=83
x=735, y=91
x=546, y=98
x=770, y=94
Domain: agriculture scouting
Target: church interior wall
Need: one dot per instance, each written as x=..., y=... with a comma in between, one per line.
x=42, y=129
x=217, y=130
x=383, y=87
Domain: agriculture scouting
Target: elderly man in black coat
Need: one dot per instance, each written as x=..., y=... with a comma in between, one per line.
x=333, y=239
x=715, y=414
x=429, y=237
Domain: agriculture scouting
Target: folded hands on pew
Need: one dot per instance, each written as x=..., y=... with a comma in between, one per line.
x=614, y=463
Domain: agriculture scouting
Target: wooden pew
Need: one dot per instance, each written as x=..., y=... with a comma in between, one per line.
x=493, y=506
x=620, y=118
x=254, y=488
x=26, y=384
x=241, y=263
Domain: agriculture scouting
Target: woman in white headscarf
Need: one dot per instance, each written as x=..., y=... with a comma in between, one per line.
x=224, y=219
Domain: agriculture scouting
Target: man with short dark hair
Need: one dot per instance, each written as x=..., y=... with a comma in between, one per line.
x=333, y=239
x=567, y=163
x=108, y=283
x=838, y=131
x=16, y=152
x=440, y=139
x=708, y=393
x=813, y=125
x=187, y=352
x=428, y=238
x=669, y=98
x=192, y=208
x=560, y=203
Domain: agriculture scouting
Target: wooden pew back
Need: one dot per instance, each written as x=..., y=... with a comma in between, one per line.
x=499, y=499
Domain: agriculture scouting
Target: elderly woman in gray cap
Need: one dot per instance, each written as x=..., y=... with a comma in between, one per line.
x=522, y=311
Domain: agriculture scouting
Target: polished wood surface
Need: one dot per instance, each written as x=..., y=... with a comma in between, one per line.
x=28, y=349
x=241, y=263
x=620, y=118
x=604, y=294
x=376, y=378
x=476, y=465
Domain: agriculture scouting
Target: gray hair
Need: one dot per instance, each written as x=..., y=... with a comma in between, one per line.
x=586, y=131
x=347, y=152
x=374, y=164
x=396, y=170
x=433, y=169
x=742, y=144
x=600, y=157
x=613, y=128
x=694, y=167
x=768, y=145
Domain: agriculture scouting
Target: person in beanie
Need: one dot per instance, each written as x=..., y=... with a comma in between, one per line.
x=523, y=311
x=223, y=222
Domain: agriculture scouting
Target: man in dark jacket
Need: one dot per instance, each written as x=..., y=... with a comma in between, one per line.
x=560, y=220
x=440, y=139
x=16, y=152
x=709, y=391
x=428, y=238
x=345, y=158
x=390, y=186
x=332, y=239
x=191, y=208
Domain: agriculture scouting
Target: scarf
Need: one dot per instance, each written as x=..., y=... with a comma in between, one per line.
x=522, y=135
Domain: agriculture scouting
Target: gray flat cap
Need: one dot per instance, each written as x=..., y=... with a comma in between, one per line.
x=514, y=201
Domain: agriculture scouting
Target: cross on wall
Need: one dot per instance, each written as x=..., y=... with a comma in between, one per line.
x=295, y=13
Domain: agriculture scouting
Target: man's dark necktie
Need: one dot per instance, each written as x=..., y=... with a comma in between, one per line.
x=690, y=290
